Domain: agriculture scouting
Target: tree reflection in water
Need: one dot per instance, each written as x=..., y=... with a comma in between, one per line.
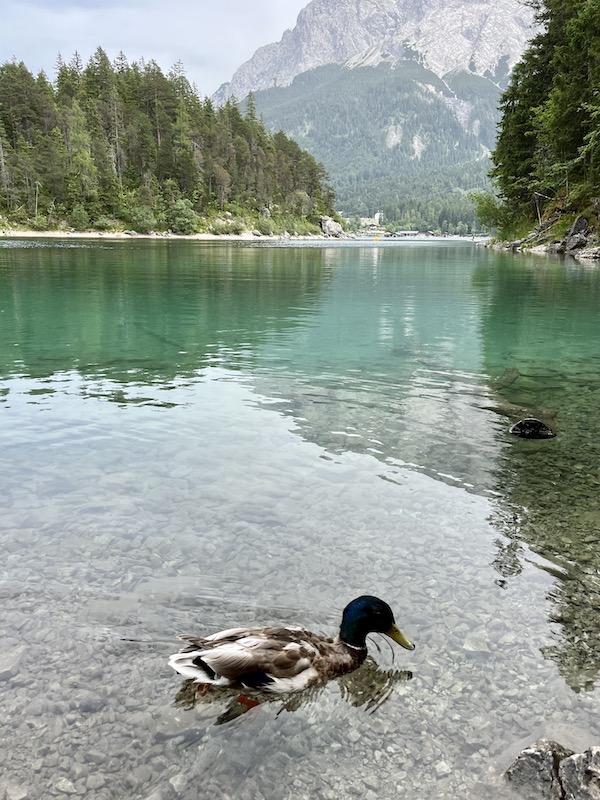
x=550, y=502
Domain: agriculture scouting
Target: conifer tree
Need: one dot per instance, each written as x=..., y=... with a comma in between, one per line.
x=125, y=142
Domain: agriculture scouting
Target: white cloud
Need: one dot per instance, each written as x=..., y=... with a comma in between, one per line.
x=212, y=39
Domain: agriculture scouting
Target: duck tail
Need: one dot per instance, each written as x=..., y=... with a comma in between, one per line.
x=191, y=665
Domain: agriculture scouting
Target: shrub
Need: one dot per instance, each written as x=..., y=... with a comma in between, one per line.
x=40, y=223
x=79, y=218
x=265, y=226
x=221, y=228
x=181, y=218
x=142, y=219
x=105, y=224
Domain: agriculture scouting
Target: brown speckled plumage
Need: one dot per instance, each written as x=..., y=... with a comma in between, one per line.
x=283, y=659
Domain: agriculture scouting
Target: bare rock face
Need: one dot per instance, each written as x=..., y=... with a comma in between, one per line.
x=548, y=771
x=331, y=228
x=485, y=37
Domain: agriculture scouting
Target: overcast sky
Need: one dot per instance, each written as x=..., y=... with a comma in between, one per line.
x=211, y=37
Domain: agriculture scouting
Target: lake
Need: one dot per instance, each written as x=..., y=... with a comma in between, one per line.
x=200, y=435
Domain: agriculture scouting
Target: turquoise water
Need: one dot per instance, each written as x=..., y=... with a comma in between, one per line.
x=199, y=435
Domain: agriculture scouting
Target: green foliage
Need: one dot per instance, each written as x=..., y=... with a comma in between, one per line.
x=104, y=223
x=221, y=227
x=265, y=226
x=79, y=217
x=128, y=145
x=390, y=139
x=492, y=212
x=142, y=219
x=548, y=148
x=181, y=217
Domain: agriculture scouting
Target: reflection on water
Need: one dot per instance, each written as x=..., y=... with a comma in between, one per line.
x=367, y=687
x=138, y=314
x=199, y=435
x=550, y=495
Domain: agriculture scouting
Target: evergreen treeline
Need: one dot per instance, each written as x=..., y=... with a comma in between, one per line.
x=391, y=139
x=118, y=143
x=547, y=156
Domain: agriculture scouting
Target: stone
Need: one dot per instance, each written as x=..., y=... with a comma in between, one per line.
x=579, y=775
x=577, y=237
x=590, y=253
x=534, y=773
x=575, y=241
x=372, y=782
x=9, y=663
x=531, y=428
x=179, y=782
x=442, y=769
x=579, y=226
x=66, y=786
x=16, y=792
x=95, y=782
x=476, y=642
x=331, y=228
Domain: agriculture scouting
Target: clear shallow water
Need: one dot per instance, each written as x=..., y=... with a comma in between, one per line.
x=200, y=435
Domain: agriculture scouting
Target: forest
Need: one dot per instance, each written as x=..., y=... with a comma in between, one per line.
x=391, y=138
x=546, y=161
x=107, y=145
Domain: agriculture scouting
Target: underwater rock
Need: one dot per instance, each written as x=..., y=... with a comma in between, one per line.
x=532, y=428
x=508, y=377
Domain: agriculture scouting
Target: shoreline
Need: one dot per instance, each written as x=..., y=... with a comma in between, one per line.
x=13, y=233
x=246, y=236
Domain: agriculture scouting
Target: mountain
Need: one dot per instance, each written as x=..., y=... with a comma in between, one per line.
x=484, y=37
x=398, y=99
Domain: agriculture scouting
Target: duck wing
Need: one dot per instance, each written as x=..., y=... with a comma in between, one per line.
x=276, y=659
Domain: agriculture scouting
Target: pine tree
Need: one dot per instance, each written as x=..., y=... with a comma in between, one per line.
x=547, y=147
x=125, y=141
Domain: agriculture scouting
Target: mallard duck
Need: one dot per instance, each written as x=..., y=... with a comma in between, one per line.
x=287, y=659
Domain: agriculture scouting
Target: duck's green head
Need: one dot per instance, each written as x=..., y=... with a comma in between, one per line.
x=367, y=615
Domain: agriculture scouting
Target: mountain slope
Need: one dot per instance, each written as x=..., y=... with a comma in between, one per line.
x=390, y=137
x=396, y=98
x=485, y=37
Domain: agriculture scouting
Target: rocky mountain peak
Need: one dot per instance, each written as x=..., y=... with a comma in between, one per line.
x=485, y=37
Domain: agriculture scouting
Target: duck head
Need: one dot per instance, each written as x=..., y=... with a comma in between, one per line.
x=367, y=614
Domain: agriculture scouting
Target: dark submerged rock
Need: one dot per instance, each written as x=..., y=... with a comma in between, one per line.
x=532, y=428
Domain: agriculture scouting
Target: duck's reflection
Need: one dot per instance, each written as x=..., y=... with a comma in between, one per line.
x=368, y=687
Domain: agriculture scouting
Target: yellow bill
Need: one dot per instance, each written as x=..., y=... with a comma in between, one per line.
x=396, y=634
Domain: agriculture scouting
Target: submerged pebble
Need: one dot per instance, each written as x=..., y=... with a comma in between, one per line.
x=249, y=513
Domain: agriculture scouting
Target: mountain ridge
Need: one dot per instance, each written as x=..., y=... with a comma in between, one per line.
x=484, y=37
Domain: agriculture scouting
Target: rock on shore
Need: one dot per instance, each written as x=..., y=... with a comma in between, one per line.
x=581, y=241
x=548, y=771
